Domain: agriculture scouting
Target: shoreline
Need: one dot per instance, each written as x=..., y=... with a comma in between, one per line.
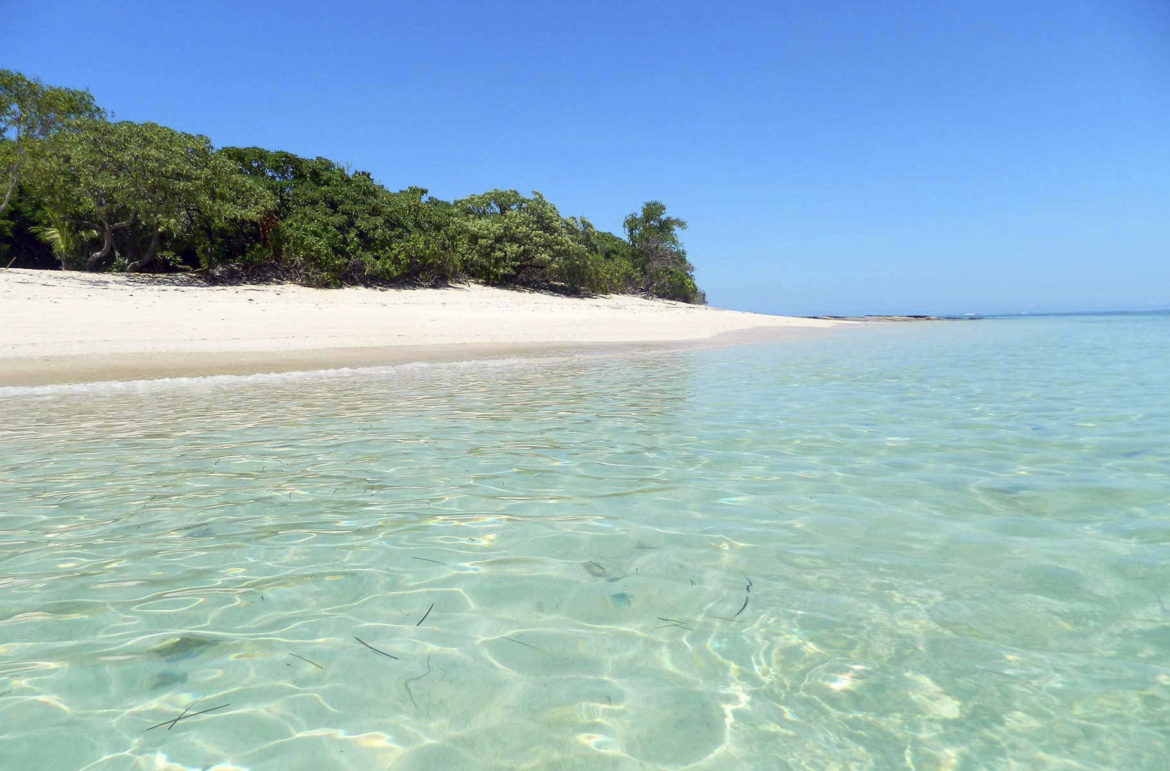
x=61, y=328
x=33, y=372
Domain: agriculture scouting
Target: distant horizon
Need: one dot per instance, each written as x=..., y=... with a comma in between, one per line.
x=985, y=314
x=1005, y=315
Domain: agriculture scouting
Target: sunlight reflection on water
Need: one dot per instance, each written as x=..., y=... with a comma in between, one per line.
x=929, y=545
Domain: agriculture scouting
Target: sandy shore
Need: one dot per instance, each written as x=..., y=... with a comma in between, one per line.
x=79, y=327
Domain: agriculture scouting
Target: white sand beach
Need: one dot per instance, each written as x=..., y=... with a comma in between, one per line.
x=58, y=327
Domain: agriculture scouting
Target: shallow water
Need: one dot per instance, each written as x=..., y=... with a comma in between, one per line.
x=924, y=545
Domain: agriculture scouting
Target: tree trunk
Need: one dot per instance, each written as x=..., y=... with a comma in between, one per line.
x=151, y=251
x=13, y=174
x=13, y=178
x=94, y=263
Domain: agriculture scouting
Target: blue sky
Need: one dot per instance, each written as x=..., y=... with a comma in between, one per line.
x=830, y=157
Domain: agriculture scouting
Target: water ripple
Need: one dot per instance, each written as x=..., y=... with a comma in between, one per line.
x=938, y=546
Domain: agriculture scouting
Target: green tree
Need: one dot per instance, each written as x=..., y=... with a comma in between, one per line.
x=66, y=242
x=610, y=259
x=505, y=238
x=29, y=112
x=331, y=226
x=659, y=254
x=139, y=185
x=424, y=238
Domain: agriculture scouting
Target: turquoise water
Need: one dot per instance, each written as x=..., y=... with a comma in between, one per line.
x=952, y=539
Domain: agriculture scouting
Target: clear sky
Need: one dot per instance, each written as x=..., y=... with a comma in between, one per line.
x=831, y=157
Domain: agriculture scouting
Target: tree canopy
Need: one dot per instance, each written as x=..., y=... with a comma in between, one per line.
x=93, y=194
x=29, y=112
x=136, y=184
x=659, y=256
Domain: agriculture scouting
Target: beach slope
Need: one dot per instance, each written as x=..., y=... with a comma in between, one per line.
x=58, y=327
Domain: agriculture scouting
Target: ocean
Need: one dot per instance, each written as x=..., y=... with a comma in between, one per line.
x=927, y=545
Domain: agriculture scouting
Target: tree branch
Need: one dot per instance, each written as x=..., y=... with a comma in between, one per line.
x=13, y=176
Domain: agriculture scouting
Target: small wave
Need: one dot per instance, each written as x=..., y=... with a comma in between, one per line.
x=210, y=382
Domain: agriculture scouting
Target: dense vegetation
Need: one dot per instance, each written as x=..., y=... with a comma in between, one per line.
x=81, y=192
